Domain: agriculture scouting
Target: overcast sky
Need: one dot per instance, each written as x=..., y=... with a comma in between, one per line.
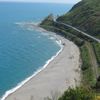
x=50, y=1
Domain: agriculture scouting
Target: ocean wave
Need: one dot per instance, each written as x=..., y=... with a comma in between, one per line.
x=29, y=78
x=23, y=23
x=31, y=26
x=59, y=42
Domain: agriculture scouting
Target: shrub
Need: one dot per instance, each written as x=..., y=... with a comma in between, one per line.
x=78, y=93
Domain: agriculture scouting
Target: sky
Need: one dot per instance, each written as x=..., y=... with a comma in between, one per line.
x=47, y=1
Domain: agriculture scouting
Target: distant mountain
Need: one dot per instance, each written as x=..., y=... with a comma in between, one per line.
x=85, y=15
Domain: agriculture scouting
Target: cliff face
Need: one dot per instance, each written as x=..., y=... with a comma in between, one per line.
x=85, y=15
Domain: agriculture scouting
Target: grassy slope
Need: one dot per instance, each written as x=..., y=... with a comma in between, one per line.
x=85, y=15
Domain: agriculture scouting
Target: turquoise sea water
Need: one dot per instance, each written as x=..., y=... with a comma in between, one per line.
x=24, y=51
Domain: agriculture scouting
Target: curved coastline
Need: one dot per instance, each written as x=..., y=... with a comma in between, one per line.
x=59, y=42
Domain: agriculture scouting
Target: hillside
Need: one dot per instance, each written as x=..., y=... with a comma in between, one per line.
x=85, y=15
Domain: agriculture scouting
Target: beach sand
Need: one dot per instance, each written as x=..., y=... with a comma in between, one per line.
x=61, y=73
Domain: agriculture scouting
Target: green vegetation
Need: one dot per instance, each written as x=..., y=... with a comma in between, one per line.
x=67, y=33
x=78, y=41
x=72, y=31
x=47, y=21
x=79, y=93
x=85, y=15
x=96, y=47
x=85, y=56
x=88, y=78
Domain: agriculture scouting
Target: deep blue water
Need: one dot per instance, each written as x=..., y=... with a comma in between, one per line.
x=24, y=51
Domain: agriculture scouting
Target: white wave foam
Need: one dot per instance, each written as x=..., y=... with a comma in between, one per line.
x=52, y=38
x=34, y=23
x=30, y=26
x=29, y=78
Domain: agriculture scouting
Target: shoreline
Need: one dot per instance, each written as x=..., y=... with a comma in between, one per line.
x=45, y=67
x=7, y=93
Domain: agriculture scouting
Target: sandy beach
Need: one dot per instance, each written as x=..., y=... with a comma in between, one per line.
x=61, y=73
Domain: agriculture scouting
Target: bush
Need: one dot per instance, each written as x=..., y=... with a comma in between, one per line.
x=85, y=58
x=79, y=93
x=97, y=86
x=96, y=47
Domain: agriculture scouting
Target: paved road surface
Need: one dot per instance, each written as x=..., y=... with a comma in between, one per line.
x=98, y=40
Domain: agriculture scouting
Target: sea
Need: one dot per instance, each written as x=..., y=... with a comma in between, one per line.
x=25, y=51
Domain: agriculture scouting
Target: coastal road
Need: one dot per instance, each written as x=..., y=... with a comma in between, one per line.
x=98, y=40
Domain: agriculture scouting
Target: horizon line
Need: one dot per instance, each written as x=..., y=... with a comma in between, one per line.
x=36, y=2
